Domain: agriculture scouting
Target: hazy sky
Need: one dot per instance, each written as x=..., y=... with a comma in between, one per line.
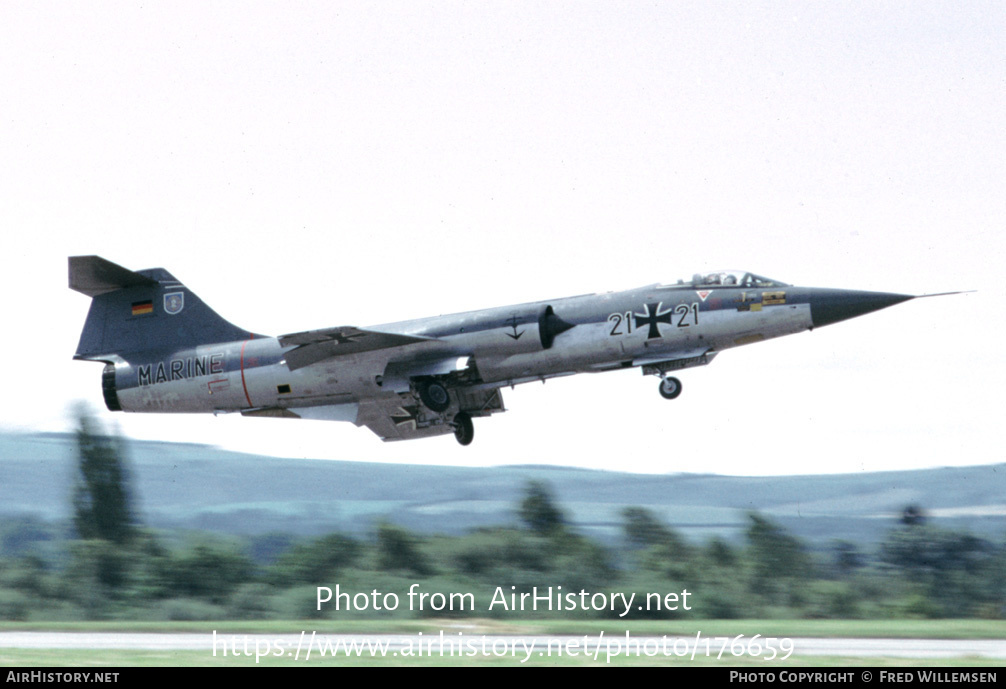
x=304, y=165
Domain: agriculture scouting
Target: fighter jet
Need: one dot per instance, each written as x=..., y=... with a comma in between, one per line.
x=164, y=350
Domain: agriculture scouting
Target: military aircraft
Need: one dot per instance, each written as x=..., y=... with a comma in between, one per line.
x=164, y=350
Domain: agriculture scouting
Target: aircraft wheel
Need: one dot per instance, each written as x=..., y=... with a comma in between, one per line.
x=670, y=388
x=464, y=429
x=435, y=396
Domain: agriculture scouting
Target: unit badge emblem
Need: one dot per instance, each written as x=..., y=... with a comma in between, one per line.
x=174, y=303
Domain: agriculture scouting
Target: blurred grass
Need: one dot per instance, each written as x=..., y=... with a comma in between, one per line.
x=82, y=658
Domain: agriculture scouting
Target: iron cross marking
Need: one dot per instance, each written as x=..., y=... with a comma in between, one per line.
x=339, y=338
x=653, y=316
x=410, y=415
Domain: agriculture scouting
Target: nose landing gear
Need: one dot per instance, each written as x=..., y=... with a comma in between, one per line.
x=670, y=388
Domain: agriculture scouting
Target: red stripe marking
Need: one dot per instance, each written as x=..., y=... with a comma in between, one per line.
x=243, y=383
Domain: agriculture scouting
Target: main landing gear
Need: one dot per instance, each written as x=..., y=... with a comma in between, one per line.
x=434, y=396
x=670, y=388
x=464, y=429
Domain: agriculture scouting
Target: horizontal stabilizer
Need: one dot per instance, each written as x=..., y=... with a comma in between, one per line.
x=317, y=345
x=93, y=276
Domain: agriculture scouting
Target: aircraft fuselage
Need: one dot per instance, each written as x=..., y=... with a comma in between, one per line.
x=427, y=376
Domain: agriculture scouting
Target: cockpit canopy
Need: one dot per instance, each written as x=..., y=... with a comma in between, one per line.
x=732, y=278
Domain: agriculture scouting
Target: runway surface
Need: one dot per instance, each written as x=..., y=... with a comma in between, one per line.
x=304, y=645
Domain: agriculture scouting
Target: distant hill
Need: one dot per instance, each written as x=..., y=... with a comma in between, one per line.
x=199, y=487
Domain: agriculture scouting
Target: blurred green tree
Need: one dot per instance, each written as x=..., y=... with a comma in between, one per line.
x=397, y=550
x=538, y=510
x=102, y=507
x=642, y=529
x=209, y=568
x=779, y=565
x=315, y=561
x=953, y=568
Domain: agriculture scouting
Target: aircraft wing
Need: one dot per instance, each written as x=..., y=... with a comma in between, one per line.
x=396, y=417
x=393, y=419
x=399, y=418
x=313, y=346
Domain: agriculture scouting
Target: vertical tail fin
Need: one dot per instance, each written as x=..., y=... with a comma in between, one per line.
x=146, y=310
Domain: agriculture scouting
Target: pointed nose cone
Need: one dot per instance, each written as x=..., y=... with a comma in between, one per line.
x=829, y=306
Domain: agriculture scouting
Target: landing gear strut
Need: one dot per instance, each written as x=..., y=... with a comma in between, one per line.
x=669, y=388
x=464, y=429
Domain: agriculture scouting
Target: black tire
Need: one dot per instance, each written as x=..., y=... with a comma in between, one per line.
x=464, y=429
x=669, y=388
x=435, y=396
